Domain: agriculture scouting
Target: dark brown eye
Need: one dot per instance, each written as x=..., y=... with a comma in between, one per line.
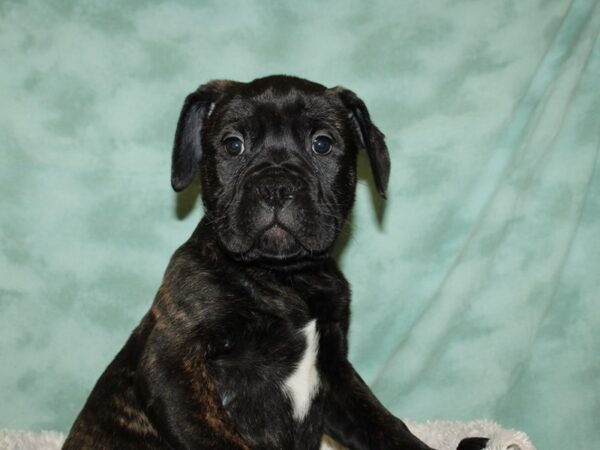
x=321, y=145
x=234, y=145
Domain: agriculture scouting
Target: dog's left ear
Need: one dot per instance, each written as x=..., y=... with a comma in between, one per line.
x=372, y=140
x=187, y=148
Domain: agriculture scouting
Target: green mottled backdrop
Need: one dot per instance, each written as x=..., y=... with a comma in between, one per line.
x=476, y=287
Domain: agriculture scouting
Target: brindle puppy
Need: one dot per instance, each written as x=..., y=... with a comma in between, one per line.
x=245, y=346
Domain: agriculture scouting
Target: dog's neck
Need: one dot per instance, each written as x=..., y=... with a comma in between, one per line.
x=320, y=284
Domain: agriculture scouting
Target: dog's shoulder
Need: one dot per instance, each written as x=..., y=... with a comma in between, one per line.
x=191, y=286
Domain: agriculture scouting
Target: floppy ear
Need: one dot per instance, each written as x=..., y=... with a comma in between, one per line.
x=372, y=140
x=187, y=148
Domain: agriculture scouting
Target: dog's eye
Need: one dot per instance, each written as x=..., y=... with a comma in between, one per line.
x=321, y=145
x=234, y=145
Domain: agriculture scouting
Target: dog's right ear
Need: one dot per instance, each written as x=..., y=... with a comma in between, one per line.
x=187, y=148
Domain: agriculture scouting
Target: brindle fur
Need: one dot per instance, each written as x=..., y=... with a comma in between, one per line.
x=206, y=366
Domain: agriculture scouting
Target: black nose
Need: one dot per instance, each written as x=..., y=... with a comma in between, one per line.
x=276, y=191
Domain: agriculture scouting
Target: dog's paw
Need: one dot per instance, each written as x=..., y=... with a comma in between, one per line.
x=472, y=443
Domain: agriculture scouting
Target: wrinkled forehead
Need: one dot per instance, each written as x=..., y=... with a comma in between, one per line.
x=275, y=109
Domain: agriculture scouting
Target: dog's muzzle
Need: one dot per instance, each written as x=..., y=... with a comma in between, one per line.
x=279, y=200
x=278, y=216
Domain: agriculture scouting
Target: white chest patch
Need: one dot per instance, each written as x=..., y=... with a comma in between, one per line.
x=302, y=385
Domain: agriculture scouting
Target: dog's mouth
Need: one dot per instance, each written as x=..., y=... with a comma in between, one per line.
x=276, y=232
x=253, y=232
x=276, y=241
x=275, y=244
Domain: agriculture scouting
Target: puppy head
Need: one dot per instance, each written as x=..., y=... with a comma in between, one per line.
x=277, y=158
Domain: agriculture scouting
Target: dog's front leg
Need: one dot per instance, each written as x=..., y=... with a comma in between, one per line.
x=179, y=395
x=355, y=418
x=353, y=415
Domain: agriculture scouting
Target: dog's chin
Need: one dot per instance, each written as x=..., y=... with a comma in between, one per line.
x=275, y=246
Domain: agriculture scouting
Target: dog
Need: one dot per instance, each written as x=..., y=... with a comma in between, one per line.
x=245, y=345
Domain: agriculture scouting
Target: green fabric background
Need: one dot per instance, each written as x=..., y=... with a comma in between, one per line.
x=477, y=284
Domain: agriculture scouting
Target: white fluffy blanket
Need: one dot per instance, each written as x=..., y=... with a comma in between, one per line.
x=441, y=435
